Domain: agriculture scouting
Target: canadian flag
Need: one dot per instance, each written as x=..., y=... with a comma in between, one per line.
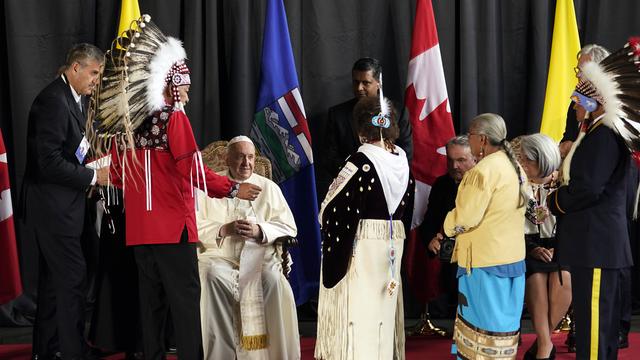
x=10, y=285
x=430, y=115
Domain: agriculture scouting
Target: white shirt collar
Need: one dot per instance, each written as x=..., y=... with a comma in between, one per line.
x=76, y=96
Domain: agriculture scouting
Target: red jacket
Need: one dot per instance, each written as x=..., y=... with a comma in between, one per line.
x=158, y=194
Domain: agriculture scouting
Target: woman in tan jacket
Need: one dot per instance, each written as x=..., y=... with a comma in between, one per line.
x=488, y=223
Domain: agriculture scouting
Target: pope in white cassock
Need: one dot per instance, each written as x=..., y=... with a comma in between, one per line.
x=247, y=305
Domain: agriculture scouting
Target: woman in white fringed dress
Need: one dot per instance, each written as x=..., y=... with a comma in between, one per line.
x=363, y=219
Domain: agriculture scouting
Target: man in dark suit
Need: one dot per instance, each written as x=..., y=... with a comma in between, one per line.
x=575, y=117
x=592, y=234
x=341, y=133
x=442, y=199
x=55, y=185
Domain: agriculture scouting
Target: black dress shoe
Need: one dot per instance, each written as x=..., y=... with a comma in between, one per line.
x=552, y=354
x=531, y=354
x=623, y=340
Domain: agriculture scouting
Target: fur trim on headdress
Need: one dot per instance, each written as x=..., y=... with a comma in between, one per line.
x=167, y=54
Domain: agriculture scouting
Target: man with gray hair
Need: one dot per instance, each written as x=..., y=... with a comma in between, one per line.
x=441, y=200
x=247, y=305
x=443, y=193
x=54, y=201
x=591, y=52
x=575, y=120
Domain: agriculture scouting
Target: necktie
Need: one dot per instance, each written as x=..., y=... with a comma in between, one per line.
x=80, y=106
x=82, y=115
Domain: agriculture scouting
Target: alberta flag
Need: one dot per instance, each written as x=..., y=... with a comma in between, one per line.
x=281, y=133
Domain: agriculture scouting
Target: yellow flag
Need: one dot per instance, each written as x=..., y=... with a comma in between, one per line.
x=561, y=79
x=129, y=11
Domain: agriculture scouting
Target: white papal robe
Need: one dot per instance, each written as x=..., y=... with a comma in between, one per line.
x=219, y=265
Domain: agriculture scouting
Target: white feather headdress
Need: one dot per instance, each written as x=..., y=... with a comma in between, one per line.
x=133, y=83
x=614, y=82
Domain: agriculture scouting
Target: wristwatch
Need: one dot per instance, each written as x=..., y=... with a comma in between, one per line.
x=234, y=191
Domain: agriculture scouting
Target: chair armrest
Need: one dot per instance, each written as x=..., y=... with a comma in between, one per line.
x=288, y=241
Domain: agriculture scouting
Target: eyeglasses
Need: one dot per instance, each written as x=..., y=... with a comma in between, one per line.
x=577, y=71
x=469, y=134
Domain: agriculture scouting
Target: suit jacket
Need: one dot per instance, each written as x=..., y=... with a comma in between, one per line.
x=343, y=138
x=591, y=210
x=55, y=181
x=442, y=199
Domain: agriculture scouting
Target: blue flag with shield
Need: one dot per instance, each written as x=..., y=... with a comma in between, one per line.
x=281, y=133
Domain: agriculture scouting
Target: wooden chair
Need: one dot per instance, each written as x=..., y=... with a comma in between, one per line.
x=214, y=156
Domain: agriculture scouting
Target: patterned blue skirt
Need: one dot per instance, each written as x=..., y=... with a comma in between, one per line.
x=488, y=318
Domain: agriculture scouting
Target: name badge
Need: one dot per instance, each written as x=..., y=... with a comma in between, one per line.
x=82, y=150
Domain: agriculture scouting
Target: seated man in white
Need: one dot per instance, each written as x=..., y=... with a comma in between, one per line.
x=247, y=306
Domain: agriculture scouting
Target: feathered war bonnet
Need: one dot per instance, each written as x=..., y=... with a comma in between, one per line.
x=614, y=83
x=142, y=61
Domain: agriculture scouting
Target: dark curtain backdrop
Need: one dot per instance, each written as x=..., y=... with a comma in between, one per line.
x=495, y=55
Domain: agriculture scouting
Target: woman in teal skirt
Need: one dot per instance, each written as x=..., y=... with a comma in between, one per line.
x=488, y=224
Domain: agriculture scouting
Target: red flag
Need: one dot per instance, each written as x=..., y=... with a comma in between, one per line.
x=10, y=285
x=428, y=104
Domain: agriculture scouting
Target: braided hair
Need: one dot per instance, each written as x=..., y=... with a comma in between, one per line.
x=494, y=128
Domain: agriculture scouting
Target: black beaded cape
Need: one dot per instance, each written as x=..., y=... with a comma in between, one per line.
x=361, y=198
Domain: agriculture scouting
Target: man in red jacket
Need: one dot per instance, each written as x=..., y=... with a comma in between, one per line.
x=158, y=169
